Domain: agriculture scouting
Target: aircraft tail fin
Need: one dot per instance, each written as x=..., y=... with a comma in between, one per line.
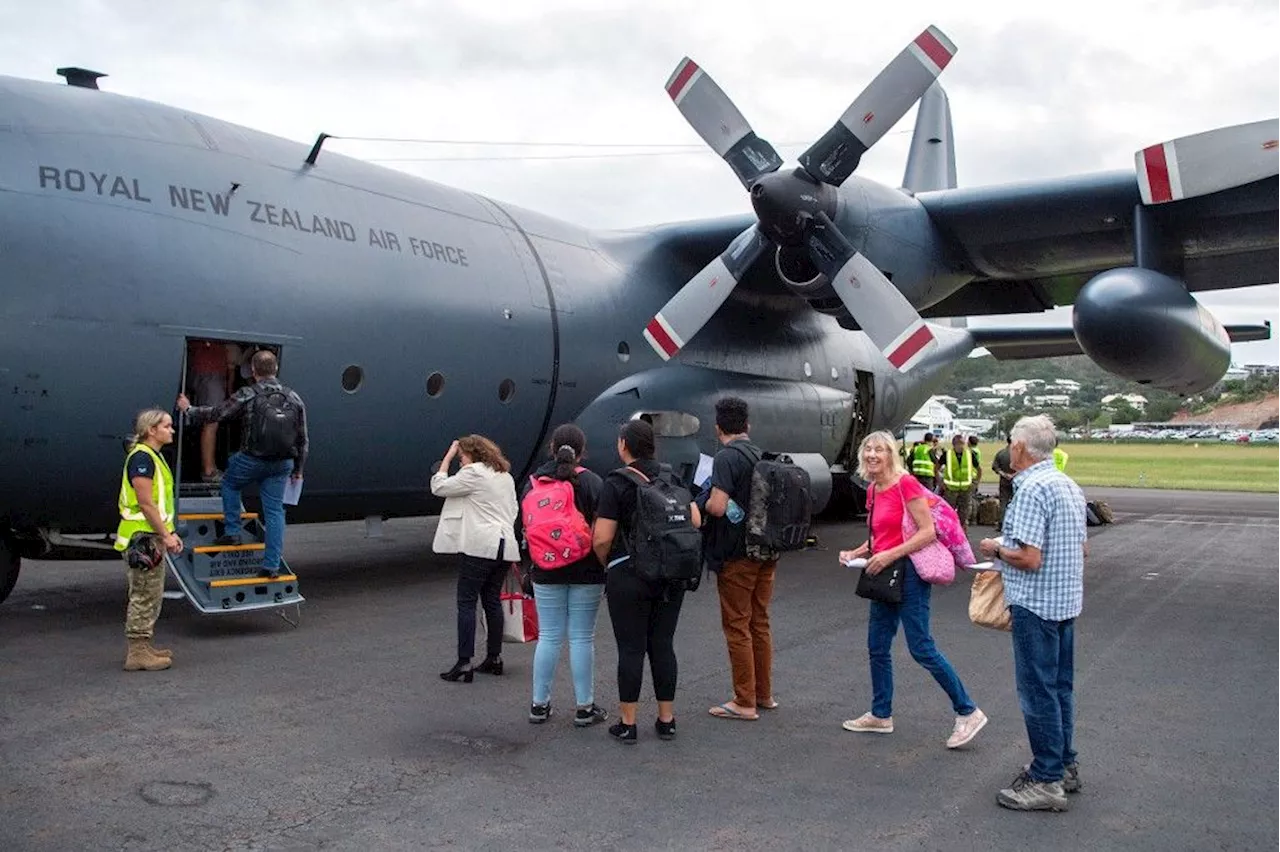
x=931, y=164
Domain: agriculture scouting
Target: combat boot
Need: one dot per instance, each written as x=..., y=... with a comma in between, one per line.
x=142, y=658
x=160, y=652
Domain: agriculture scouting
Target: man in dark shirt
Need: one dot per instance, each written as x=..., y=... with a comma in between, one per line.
x=745, y=585
x=250, y=465
x=1003, y=468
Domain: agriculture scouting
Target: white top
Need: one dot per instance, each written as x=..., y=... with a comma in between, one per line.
x=479, y=513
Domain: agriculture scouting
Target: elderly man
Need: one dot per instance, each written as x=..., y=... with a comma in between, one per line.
x=1042, y=559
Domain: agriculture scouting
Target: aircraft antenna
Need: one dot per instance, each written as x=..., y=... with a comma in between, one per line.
x=315, y=149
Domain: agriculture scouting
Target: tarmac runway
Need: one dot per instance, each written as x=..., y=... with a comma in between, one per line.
x=338, y=734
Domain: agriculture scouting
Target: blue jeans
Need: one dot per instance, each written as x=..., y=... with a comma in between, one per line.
x=882, y=626
x=561, y=608
x=1044, y=664
x=270, y=474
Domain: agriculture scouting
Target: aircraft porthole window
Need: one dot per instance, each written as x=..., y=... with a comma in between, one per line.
x=506, y=390
x=624, y=352
x=435, y=384
x=808, y=370
x=352, y=378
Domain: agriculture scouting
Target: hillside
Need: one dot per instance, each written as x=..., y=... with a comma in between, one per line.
x=1255, y=414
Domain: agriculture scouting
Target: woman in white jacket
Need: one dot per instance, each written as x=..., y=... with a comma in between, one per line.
x=477, y=521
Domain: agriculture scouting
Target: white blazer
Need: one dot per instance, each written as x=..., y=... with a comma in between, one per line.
x=479, y=512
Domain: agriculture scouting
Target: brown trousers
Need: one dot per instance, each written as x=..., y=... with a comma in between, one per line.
x=745, y=589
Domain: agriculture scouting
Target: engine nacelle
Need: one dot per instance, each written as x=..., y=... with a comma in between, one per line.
x=803, y=278
x=1145, y=326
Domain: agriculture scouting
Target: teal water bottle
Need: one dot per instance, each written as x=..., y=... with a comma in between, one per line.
x=734, y=512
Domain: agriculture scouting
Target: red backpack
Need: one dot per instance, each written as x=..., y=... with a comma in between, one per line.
x=556, y=531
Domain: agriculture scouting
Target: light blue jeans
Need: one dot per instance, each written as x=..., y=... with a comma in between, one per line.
x=270, y=474
x=565, y=608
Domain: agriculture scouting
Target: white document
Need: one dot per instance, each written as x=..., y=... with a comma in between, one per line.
x=292, y=491
x=854, y=563
x=703, y=473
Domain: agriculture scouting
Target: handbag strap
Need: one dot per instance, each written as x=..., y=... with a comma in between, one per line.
x=871, y=547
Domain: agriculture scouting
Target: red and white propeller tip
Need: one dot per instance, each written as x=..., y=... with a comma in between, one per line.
x=1208, y=162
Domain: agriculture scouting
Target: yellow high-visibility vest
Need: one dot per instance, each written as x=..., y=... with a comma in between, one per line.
x=921, y=462
x=131, y=518
x=957, y=473
x=1060, y=459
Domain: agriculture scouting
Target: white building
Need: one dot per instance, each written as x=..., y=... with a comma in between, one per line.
x=1137, y=401
x=1067, y=385
x=992, y=400
x=1051, y=400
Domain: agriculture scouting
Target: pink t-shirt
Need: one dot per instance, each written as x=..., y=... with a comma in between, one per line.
x=886, y=517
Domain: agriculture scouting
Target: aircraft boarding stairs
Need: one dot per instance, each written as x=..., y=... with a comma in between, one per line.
x=219, y=579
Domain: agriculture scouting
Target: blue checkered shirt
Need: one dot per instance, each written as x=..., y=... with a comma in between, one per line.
x=1047, y=512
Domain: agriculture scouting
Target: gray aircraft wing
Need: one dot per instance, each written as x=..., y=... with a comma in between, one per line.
x=1031, y=246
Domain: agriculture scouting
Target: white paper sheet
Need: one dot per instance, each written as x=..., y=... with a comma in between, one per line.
x=703, y=473
x=292, y=491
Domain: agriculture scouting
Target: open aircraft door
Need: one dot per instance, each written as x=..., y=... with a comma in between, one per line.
x=221, y=578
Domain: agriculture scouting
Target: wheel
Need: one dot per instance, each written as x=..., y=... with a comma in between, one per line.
x=10, y=562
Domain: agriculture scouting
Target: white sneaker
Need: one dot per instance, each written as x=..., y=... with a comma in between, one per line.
x=966, y=728
x=867, y=723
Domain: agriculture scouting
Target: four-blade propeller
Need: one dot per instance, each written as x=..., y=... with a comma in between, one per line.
x=794, y=211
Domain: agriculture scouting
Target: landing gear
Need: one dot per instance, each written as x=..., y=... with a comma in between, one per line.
x=10, y=562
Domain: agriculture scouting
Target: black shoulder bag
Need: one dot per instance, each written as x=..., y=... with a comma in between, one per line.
x=885, y=587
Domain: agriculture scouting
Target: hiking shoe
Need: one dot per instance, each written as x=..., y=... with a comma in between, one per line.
x=666, y=730
x=867, y=723
x=588, y=716
x=623, y=732
x=1070, y=780
x=539, y=713
x=966, y=728
x=1025, y=794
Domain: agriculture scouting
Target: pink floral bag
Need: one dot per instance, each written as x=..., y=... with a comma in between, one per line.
x=937, y=561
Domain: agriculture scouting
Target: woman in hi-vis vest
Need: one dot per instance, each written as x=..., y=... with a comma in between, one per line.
x=146, y=531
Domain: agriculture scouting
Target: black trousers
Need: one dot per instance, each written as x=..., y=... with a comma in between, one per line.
x=644, y=617
x=480, y=579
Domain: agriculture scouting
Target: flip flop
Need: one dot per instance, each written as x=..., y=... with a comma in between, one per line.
x=767, y=705
x=724, y=711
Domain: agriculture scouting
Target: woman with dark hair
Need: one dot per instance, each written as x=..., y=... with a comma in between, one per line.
x=558, y=504
x=644, y=613
x=476, y=521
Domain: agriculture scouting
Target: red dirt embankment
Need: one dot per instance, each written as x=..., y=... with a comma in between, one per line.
x=1245, y=415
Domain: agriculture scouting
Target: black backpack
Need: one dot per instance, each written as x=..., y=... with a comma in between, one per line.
x=780, y=509
x=663, y=543
x=273, y=424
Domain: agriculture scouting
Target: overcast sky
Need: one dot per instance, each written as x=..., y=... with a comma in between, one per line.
x=1036, y=90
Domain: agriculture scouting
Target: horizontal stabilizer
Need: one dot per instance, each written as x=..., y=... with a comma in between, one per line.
x=1020, y=344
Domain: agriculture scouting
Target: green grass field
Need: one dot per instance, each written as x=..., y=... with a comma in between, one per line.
x=1204, y=465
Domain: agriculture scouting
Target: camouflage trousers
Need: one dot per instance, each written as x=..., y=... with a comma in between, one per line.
x=146, y=593
x=960, y=500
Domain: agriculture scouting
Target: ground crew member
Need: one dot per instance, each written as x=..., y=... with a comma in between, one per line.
x=957, y=478
x=921, y=462
x=975, y=497
x=1060, y=459
x=145, y=532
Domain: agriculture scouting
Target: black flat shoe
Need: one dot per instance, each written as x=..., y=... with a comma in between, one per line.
x=491, y=665
x=623, y=733
x=666, y=730
x=459, y=672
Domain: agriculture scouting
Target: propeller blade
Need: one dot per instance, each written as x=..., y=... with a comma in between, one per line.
x=893, y=325
x=688, y=310
x=710, y=112
x=1208, y=162
x=834, y=157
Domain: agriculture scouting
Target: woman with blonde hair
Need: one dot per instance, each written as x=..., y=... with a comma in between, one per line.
x=146, y=531
x=477, y=521
x=891, y=494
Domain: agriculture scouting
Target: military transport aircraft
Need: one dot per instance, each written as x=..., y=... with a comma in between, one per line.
x=408, y=313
